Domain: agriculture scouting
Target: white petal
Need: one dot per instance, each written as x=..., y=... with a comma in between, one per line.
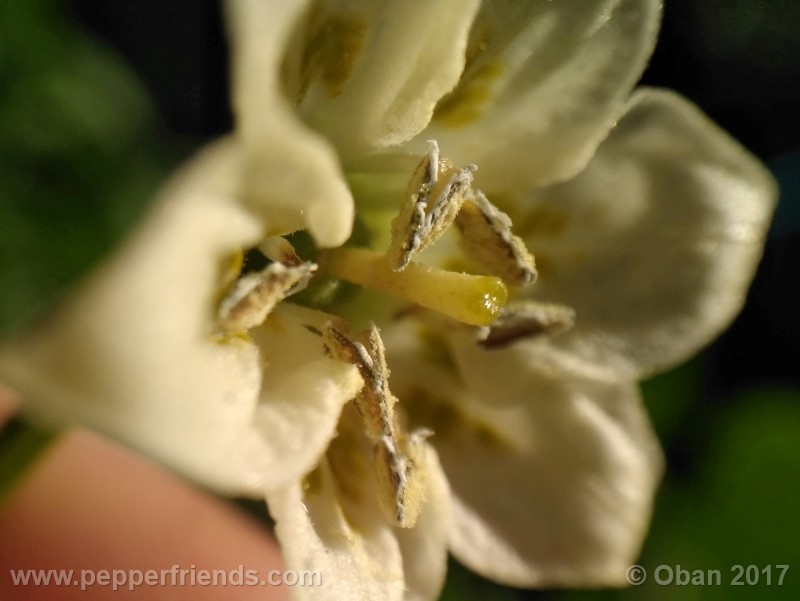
x=654, y=244
x=130, y=351
x=291, y=175
x=547, y=82
x=332, y=523
x=377, y=69
x=552, y=488
x=424, y=547
x=569, y=503
x=301, y=398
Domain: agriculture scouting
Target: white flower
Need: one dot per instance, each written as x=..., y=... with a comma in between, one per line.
x=644, y=218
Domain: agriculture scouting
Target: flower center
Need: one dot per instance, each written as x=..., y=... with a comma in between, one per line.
x=437, y=196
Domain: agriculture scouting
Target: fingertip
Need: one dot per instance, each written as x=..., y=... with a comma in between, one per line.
x=91, y=506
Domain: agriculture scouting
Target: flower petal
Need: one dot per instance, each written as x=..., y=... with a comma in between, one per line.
x=372, y=72
x=291, y=175
x=131, y=352
x=566, y=504
x=332, y=523
x=424, y=547
x=301, y=397
x=553, y=488
x=654, y=244
x=544, y=84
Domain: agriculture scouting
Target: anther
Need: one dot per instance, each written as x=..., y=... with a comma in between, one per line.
x=486, y=238
x=399, y=458
x=526, y=319
x=434, y=197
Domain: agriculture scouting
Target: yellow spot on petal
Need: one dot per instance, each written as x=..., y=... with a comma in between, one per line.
x=236, y=339
x=435, y=347
x=229, y=271
x=428, y=411
x=467, y=102
x=488, y=438
x=348, y=457
x=544, y=221
x=312, y=484
x=443, y=416
x=234, y=267
x=332, y=47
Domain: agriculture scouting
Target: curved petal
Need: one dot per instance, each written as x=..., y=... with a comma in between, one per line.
x=372, y=72
x=131, y=352
x=291, y=175
x=301, y=398
x=544, y=84
x=654, y=244
x=555, y=487
x=424, y=547
x=570, y=505
x=332, y=523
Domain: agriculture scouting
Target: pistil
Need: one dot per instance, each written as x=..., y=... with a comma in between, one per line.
x=471, y=299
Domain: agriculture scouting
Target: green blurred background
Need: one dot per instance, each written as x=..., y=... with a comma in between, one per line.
x=100, y=98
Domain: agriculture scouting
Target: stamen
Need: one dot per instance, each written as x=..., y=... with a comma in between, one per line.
x=486, y=238
x=526, y=319
x=254, y=295
x=434, y=196
x=471, y=299
x=399, y=458
x=280, y=250
x=402, y=477
x=375, y=403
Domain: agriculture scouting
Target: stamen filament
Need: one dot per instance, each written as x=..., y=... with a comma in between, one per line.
x=471, y=299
